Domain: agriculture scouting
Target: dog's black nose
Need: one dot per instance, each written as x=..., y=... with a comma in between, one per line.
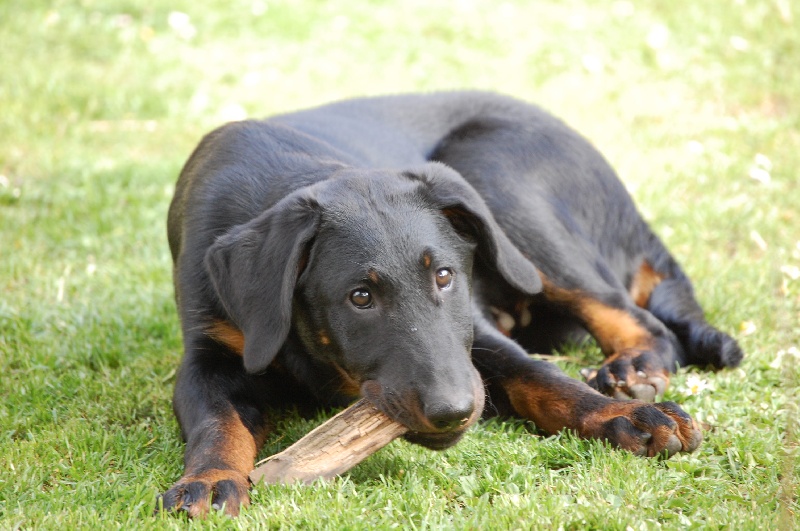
x=448, y=417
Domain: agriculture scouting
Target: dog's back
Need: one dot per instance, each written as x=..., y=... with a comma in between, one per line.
x=260, y=161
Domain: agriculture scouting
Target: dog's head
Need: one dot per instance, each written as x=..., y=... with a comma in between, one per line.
x=373, y=270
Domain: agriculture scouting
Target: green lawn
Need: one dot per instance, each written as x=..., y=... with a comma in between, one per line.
x=695, y=103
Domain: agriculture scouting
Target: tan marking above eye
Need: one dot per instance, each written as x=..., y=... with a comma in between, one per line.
x=324, y=338
x=426, y=260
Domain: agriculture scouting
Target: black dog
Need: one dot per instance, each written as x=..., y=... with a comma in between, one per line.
x=412, y=249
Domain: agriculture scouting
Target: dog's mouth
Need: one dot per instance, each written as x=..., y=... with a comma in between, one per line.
x=435, y=441
x=408, y=412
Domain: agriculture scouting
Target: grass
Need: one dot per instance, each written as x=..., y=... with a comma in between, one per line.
x=101, y=102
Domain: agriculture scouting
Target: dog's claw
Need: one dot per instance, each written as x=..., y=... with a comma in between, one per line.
x=694, y=440
x=620, y=394
x=643, y=392
x=659, y=383
x=673, y=446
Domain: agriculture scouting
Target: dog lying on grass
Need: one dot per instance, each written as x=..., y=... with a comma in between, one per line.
x=411, y=250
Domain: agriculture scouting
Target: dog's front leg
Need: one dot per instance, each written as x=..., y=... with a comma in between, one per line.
x=221, y=418
x=537, y=390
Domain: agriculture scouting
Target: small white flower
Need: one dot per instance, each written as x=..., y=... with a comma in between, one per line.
x=232, y=112
x=761, y=168
x=657, y=37
x=695, y=147
x=762, y=161
x=791, y=352
x=696, y=385
x=738, y=43
x=747, y=328
x=760, y=174
x=182, y=25
x=791, y=271
x=592, y=63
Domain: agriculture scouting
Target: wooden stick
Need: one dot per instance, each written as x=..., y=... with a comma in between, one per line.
x=332, y=448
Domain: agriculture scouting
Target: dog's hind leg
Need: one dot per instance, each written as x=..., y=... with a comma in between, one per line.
x=666, y=325
x=665, y=291
x=641, y=352
x=539, y=391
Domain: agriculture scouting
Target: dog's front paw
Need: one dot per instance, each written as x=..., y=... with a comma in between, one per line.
x=213, y=489
x=632, y=373
x=662, y=429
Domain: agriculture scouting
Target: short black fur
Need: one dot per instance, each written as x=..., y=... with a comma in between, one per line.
x=276, y=224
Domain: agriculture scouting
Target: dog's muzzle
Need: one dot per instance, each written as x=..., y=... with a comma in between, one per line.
x=437, y=425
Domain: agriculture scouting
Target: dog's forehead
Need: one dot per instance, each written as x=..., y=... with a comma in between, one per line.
x=383, y=221
x=375, y=222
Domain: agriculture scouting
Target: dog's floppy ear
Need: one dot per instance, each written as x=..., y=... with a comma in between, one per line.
x=254, y=269
x=467, y=211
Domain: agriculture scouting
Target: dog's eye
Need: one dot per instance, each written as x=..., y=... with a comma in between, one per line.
x=361, y=298
x=444, y=278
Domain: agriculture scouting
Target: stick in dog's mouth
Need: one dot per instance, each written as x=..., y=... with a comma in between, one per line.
x=332, y=448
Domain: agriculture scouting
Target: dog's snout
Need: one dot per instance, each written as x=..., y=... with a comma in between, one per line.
x=448, y=417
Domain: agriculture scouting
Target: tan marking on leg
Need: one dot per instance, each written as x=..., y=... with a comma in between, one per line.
x=227, y=456
x=614, y=329
x=547, y=409
x=239, y=444
x=227, y=334
x=234, y=445
x=644, y=282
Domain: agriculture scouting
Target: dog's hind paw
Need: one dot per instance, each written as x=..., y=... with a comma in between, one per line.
x=632, y=373
x=709, y=346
